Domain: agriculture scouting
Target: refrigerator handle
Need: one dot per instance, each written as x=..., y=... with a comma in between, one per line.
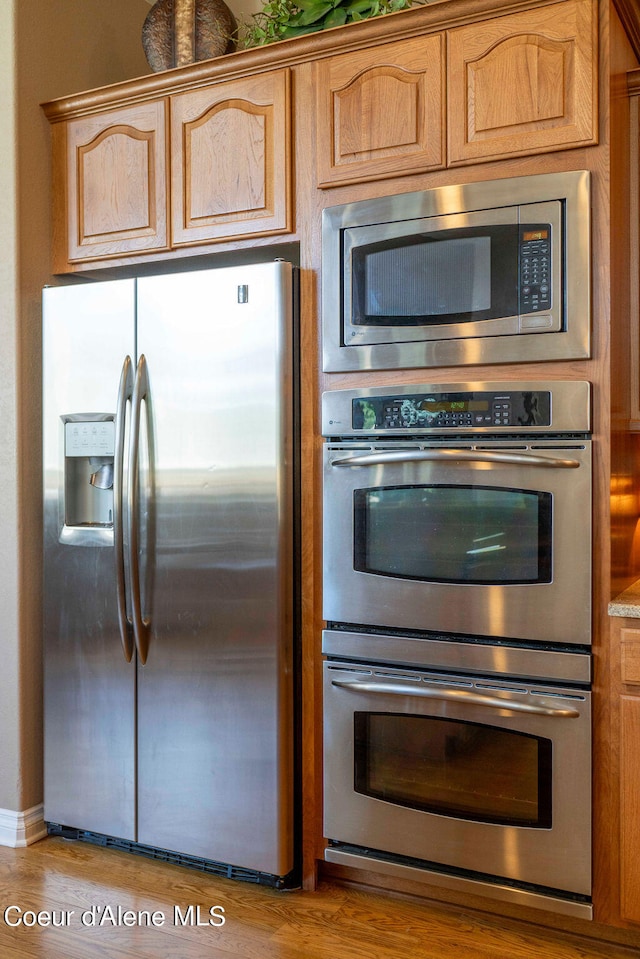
x=125, y=393
x=141, y=630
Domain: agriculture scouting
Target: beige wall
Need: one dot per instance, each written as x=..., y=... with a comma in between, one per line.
x=48, y=48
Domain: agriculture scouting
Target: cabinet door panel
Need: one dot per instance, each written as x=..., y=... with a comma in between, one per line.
x=380, y=111
x=522, y=83
x=230, y=160
x=630, y=808
x=116, y=182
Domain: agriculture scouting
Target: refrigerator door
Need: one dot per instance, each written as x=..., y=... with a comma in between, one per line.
x=215, y=505
x=88, y=330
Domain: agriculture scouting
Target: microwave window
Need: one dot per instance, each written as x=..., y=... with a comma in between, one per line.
x=454, y=534
x=454, y=768
x=429, y=279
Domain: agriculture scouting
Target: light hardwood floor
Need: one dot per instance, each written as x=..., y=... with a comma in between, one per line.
x=68, y=879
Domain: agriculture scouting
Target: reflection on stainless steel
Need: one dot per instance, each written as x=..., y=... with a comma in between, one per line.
x=471, y=657
x=530, y=898
x=190, y=751
x=453, y=456
x=141, y=395
x=505, y=703
x=103, y=475
x=125, y=393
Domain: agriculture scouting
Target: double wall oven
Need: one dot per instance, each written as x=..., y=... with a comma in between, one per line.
x=457, y=595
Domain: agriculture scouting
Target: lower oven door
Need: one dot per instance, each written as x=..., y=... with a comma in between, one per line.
x=484, y=777
x=490, y=540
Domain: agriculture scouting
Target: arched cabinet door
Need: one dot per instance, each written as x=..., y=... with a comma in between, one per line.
x=230, y=160
x=115, y=182
x=380, y=111
x=523, y=83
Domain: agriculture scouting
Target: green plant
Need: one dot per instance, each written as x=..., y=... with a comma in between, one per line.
x=284, y=19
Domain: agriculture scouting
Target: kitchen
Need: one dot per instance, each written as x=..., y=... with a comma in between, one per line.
x=312, y=434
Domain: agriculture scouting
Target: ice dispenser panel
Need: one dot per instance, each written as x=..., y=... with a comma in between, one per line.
x=89, y=445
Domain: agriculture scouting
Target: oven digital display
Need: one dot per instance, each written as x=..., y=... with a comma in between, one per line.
x=453, y=406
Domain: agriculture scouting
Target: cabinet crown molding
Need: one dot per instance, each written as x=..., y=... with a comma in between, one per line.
x=420, y=20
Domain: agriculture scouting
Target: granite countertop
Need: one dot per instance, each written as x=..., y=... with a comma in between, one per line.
x=627, y=603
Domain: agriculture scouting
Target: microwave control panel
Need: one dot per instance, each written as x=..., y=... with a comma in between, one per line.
x=535, y=267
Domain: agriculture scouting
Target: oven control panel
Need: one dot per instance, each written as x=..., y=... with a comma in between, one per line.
x=559, y=406
x=444, y=411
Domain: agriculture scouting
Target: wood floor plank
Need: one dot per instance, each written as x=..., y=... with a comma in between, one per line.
x=333, y=923
x=403, y=923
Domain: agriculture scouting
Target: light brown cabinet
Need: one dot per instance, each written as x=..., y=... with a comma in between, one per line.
x=230, y=166
x=520, y=84
x=229, y=147
x=629, y=773
x=380, y=111
x=630, y=808
x=523, y=83
x=113, y=168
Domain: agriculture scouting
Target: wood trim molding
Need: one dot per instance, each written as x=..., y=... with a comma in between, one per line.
x=436, y=15
x=633, y=83
x=629, y=13
x=19, y=829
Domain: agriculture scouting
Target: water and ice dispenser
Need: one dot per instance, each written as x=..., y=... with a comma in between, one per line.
x=89, y=447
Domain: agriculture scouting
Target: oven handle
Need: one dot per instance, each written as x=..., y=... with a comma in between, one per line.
x=458, y=695
x=453, y=456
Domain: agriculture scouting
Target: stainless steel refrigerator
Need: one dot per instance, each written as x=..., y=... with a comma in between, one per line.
x=169, y=472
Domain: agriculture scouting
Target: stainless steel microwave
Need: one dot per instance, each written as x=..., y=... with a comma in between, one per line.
x=489, y=272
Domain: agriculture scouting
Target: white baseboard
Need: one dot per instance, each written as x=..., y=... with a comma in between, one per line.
x=22, y=828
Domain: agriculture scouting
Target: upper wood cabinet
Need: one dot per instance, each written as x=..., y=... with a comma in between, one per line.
x=229, y=145
x=113, y=168
x=522, y=83
x=380, y=111
x=230, y=160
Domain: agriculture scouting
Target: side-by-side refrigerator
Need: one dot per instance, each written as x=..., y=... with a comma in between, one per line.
x=169, y=500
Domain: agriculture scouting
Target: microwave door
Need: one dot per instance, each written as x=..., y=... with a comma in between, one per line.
x=460, y=276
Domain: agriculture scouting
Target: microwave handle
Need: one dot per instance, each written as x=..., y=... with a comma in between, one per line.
x=458, y=695
x=453, y=456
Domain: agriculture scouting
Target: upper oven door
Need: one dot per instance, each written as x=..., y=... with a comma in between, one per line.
x=488, y=540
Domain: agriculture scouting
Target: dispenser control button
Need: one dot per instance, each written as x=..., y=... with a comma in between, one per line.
x=89, y=438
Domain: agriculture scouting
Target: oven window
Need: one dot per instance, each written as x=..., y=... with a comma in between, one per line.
x=454, y=768
x=454, y=534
